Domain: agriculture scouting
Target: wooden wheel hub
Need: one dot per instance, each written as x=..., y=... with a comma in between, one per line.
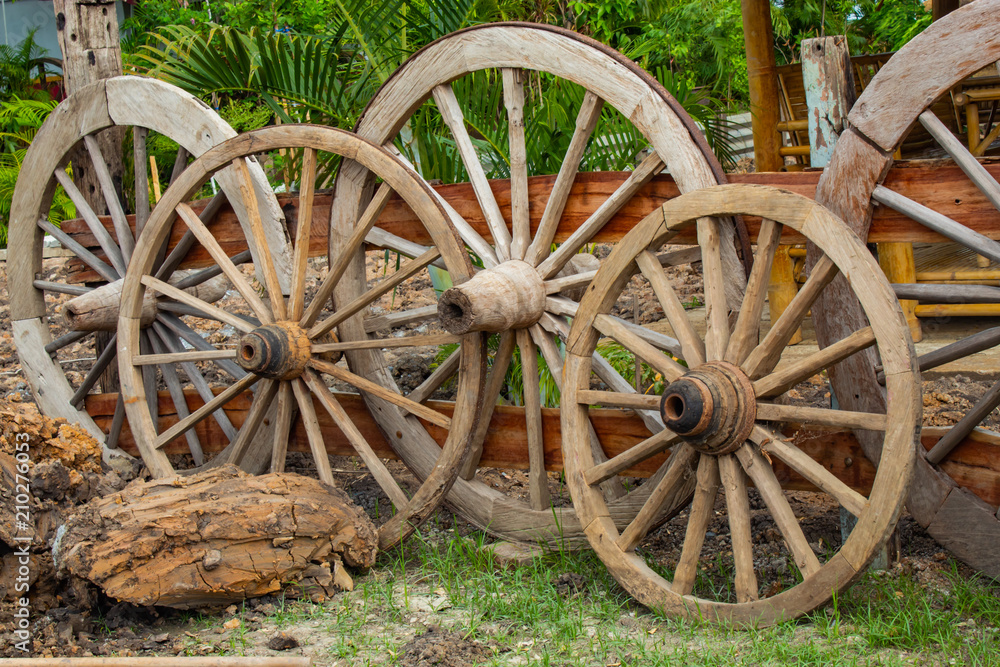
x=280, y=351
x=712, y=407
x=508, y=296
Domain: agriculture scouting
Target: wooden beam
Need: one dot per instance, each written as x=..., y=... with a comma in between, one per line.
x=936, y=184
x=975, y=463
x=762, y=71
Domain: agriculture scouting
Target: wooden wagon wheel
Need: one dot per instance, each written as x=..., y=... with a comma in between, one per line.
x=725, y=414
x=282, y=346
x=526, y=290
x=898, y=97
x=77, y=123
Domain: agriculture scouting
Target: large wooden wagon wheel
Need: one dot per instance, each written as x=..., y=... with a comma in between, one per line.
x=725, y=414
x=104, y=240
x=898, y=97
x=285, y=347
x=526, y=289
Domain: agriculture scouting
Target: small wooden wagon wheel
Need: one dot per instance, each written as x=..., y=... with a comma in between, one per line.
x=147, y=106
x=724, y=413
x=525, y=290
x=898, y=97
x=283, y=346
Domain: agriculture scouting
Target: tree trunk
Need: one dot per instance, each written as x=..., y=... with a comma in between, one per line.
x=217, y=537
x=87, y=31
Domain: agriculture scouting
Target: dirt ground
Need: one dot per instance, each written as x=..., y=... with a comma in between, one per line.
x=73, y=621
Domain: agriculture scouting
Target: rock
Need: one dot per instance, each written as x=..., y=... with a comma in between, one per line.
x=282, y=642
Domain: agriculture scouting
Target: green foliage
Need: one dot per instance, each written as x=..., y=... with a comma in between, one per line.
x=20, y=120
x=20, y=65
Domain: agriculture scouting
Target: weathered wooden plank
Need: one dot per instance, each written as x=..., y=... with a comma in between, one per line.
x=935, y=184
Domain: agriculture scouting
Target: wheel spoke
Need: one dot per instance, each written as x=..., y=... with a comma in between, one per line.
x=664, y=365
x=183, y=247
x=313, y=433
x=194, y=374
x=251, y=428
x=204, y=275
x=713, y=274
x=972, y=167
x=698, y=521
x=767, y=354
x=939, y=222
x=232, y=272
x=94, y=374
x=104, y=238
x=451, y=113
x=616, y=399
x=204, y=411
x=972, y=419
x=871, y=421
x=631, y=457
x=746, y=333
x=380, y=238
x=173, y=383
x=767, y=484
x=538, y=481
x=125, y=239
x=387, y=343
x=61, y=288
x=66, y=339
x=282, y=426
x=441, y=374
x=406, y=271
x=166, y=289
x=470, y=236
x=562, y=306
x=365, y=385
x=87, y=257
x=117, y=421
x=586, y=121
x=790, y=375
x=738, y=508
x=264, y=261
x=641, y=175
x=611, y=377
x=494, y=385
x=692, y=347
x=179, y=357
x=307, y=190
x=513, y=100
x=678, y=467
x=361, y=446
x=193, y=339
x=812, y=470
x=400, y=319
x=141, y=172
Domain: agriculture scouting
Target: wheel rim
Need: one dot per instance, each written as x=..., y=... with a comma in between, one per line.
x=77, y=123
x=897, y=98
x=741, y=376
x=609, y=80
x=283, y=345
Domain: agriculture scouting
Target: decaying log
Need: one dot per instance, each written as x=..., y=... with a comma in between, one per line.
x=97, y=310
x=217, y=537
x=510, y=296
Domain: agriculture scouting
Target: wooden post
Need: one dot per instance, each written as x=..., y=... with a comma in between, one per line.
x=762, y=71
x=87, y=31
x=829, y=86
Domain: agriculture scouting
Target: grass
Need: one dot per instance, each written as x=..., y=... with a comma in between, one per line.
x=920, y=614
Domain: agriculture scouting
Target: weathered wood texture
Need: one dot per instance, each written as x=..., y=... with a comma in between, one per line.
x=758, y=39
x=829, y=84
x=976, y=462
x=217, y=537
x=936, y=184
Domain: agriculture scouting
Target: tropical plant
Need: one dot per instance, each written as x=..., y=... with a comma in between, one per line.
x=21, y=120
